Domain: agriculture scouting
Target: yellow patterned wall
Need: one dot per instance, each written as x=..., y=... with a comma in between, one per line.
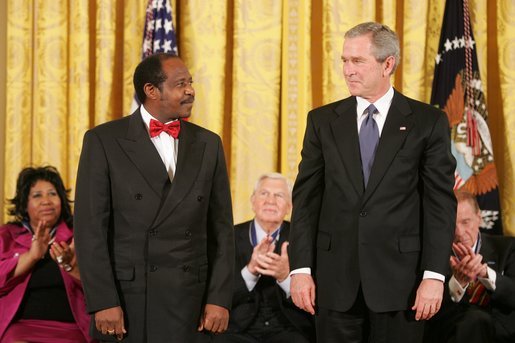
x=296, y=95
x=258, y=67
x=3, y=54
x=503, y=138
x=69, y=67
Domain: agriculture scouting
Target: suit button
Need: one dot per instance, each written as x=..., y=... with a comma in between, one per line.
x=152, y=233
x=185, y=268
x=200, y=198
x=138, y=196
x=187, y=233
x=363, y=214
x=153, y=268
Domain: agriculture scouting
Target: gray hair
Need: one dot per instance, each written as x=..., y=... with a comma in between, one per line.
x=462, y=195
x=385, y=42
x=274, y=176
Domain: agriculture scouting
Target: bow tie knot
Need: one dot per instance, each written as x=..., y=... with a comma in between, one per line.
x=173, y=128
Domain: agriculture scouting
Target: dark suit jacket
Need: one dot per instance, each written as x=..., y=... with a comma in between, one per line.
x=159, y=250
x=382, y=237
x=246, y=304
x=499, y=253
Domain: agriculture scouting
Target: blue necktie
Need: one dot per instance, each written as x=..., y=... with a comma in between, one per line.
x=368, y=139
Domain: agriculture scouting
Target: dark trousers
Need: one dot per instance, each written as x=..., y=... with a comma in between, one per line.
x=359, y=325
x=460, y=323
x=286, y=336
x=268, y=327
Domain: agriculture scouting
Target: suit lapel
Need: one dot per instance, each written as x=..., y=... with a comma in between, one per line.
x=143, y=154
x=247, y=244
x=345, y=134
x=189, y=162
x=490, y=254
x=396, y=128
x=21, y=235
x=244, y=241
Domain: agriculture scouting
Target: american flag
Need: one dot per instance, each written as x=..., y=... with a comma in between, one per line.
x=159, y=34
x=458, y=90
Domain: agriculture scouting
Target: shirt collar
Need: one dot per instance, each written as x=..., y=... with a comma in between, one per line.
x=147, y=117
x=261, y=233
x=477, y=245
x=382, y=104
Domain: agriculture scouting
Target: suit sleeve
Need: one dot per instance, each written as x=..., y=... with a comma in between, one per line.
x=307, y=198
x=91, y=225
x=438, y=200
x=220, y=238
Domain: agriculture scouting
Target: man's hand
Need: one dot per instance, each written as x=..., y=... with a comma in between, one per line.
x=272, y=264
x=110, y=322
x=302, y=290
x=214, y=319
x=262, y=248
x=466, y=265
x=429, y=299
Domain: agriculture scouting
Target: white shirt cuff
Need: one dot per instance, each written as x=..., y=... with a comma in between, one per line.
x=489, y=281
x=249, y=278
x=432, y=275
x=306, y=270
x=456, y=291
x=285, y=286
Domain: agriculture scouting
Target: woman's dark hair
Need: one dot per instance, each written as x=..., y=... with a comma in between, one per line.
x=26, y=180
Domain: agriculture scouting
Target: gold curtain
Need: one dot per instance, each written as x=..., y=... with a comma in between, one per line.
x=258, y=67
x=69, y=67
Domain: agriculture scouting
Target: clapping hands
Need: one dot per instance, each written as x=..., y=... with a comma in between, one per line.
x=466, y=265
x=265, y=261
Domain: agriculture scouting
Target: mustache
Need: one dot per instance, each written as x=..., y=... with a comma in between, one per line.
x=188, y=100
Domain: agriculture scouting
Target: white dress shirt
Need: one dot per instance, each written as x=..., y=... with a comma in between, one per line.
x=251, y=279
x=165, y=144
x=382, y=105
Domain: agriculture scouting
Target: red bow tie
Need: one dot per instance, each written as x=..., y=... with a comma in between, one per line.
x=173, y=128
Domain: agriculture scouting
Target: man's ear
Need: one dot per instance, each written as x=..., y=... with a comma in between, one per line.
x=388, y=65
x=479, y=216
x=151, y=91
x=252, y=199
x=290, y=207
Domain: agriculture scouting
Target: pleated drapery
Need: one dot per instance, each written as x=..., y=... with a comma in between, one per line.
x=258, y=67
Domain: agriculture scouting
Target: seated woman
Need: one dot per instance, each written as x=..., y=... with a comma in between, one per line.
x=41, y=297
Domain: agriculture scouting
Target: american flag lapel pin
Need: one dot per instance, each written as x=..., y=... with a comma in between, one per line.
x=402, y=128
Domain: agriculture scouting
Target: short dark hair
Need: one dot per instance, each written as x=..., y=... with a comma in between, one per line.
x=26, y=180
x=150, y=70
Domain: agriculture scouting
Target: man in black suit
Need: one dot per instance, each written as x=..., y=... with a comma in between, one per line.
x=373, y=204
x=480, y=300
x=153, y=220
x=262, y=308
